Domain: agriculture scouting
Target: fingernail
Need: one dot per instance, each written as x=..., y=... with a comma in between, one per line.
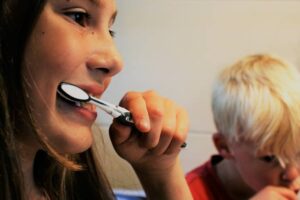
x=144, y=124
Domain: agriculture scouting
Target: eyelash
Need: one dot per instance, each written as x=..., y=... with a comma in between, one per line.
x=269, y=159
x=78, y=16
x=83, y=16
x=112, y=33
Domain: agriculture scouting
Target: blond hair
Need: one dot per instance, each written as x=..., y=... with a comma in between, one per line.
x=258, y=100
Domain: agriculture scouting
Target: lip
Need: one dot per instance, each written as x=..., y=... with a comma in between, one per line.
x=295, y=185
x=86, y=113
x=95, y=90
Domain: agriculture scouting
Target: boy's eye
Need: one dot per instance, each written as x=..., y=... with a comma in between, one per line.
x=80, y=17
x=268, y=159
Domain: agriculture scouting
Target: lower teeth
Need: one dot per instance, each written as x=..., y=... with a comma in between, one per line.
x=78, y=104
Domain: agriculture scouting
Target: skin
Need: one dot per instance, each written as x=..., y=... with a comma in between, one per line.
x=257, y=175
x=78, y=59
x=72, y=42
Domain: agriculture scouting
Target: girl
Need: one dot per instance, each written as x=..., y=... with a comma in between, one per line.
x=46, y=143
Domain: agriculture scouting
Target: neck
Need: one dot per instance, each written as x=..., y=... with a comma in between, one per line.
x=232, y=181
x=27, y=154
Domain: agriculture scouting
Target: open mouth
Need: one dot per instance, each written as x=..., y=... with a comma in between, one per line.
x=85, y=105
x=70, y=102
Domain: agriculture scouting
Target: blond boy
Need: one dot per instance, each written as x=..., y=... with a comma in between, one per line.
x=256, y=109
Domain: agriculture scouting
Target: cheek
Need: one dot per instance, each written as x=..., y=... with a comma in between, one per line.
x=54, y=50
x=258, y=177
x=47, y=60
x=106, y=83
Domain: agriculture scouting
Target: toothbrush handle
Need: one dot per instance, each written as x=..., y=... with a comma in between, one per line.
x=125, y=119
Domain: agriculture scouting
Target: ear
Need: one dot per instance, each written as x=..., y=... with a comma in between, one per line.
x=221, y=145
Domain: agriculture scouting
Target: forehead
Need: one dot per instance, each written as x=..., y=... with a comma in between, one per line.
x=253, y=150
x=101, y=7
x=248, y=149
x=98, y=3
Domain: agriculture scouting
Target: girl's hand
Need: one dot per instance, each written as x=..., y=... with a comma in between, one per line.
x=152, y=146
x=160, y=129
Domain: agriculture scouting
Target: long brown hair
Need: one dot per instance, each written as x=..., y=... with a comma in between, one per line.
x=53, y=172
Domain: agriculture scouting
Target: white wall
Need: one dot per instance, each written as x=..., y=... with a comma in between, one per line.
x=177, y=46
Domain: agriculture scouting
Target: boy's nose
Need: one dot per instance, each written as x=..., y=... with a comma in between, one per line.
x=291, y=177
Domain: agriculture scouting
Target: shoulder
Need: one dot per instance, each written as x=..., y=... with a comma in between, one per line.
x=197, y=177
x=203, y=180
x=206, y=170
x=196, y=180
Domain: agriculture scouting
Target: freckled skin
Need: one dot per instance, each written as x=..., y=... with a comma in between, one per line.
x=62, y=49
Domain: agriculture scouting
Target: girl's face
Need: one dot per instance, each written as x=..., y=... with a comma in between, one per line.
x=71, y=42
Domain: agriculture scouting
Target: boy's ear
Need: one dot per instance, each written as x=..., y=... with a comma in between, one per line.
x=221, y=145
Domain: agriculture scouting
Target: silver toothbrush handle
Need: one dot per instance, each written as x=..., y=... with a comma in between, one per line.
x=125, y=119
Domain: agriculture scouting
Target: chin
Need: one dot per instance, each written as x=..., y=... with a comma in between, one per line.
x=75, y=148
x=74, y=142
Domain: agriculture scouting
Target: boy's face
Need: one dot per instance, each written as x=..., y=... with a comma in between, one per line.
x=261, y=169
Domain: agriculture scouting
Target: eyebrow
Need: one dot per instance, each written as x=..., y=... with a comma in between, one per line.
x=113, y=16
x=97, y=3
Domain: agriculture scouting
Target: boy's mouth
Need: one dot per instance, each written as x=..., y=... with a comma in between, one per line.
x=295, y=186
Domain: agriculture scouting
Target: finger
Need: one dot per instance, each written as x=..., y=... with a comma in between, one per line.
x=162, y=146
x=168, y=129
x=156, y=112
x=295, y=185
x=180, y=134
x=287, y=193
x=282, y=192
x=135, y=103
x=119, y=133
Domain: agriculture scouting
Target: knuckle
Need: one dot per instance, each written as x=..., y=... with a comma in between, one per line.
x=168, y=130
x=152, y=143
x=180, y=136
x=155, y=112
x=150, y=93
x=130, y=96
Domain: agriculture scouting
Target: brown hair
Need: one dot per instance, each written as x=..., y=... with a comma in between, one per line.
x=56, y=174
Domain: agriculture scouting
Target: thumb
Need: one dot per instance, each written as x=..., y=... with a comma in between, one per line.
x=119, y=133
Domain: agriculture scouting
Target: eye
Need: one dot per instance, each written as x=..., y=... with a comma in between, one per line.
x=268, y=159
x=79, y=16
x=112, y=33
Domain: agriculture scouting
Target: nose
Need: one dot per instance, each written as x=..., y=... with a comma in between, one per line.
x=104, y=56
x=291, y=177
